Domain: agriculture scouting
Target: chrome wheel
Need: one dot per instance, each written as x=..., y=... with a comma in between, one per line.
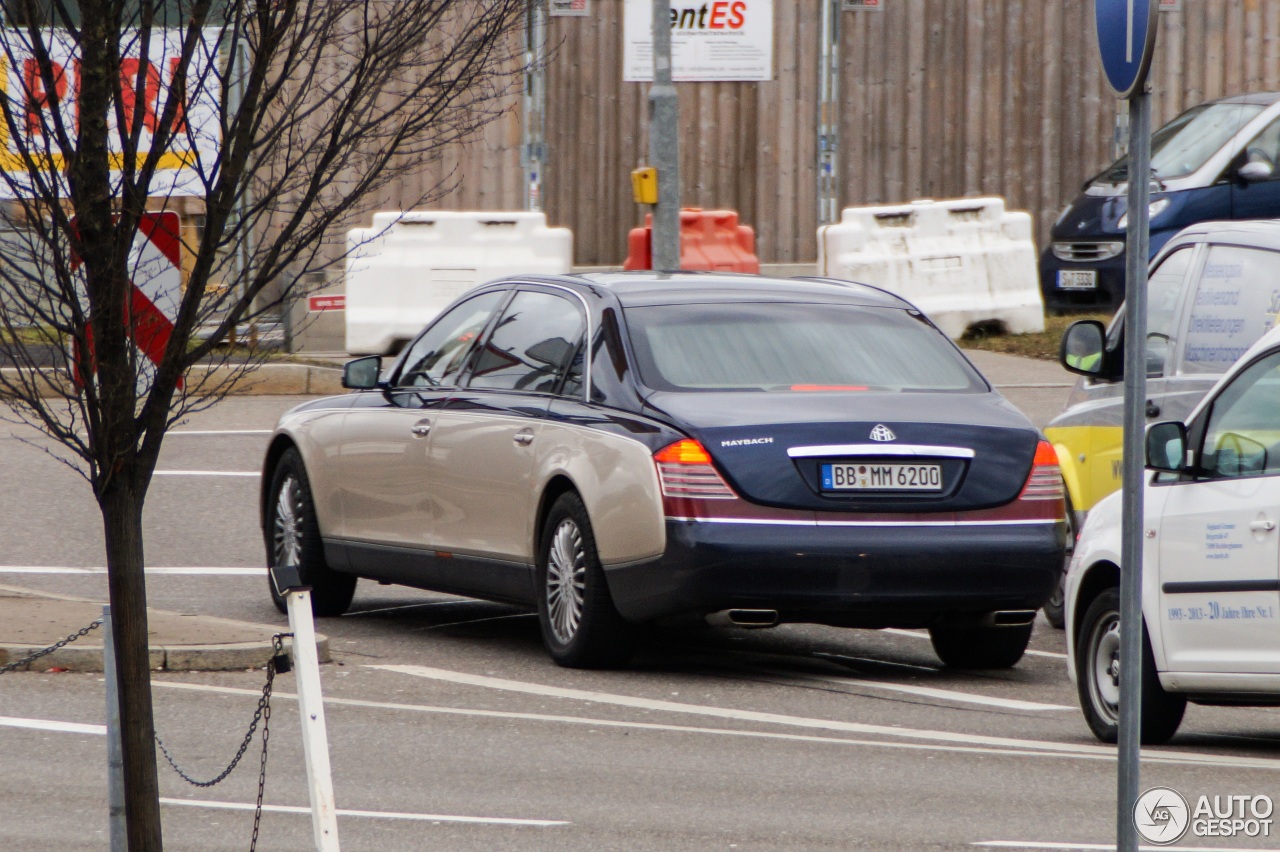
x=566, y=580
x=1104, y=667
x=287, y=531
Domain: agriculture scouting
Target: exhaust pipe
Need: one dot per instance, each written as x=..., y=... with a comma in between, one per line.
x=1013, y=617
x=750, y=618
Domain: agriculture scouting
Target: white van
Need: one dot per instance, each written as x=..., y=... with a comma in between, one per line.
x=1213, y=291
x=1211, y=546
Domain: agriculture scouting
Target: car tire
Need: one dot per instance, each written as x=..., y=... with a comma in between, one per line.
x=1097, y=663
x=581, y=627
x=1055, y=609
x=293, y=538
x=980, y=646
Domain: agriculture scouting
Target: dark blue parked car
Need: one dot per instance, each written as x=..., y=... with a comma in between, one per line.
x=1216, y=161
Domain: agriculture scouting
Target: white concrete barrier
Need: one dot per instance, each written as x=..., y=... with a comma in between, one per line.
x=961, y=262
x=406, y=268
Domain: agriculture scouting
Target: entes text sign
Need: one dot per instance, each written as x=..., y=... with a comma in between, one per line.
x=711, y=40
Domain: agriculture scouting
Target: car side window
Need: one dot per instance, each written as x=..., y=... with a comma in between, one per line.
x=1164, y=292
x=532, y=345
x=1242, y=437
x=437, y=357
x=1235, y=303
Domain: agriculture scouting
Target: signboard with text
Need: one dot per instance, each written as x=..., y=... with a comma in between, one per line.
x=196, y=132
x=711, y=40
x=570, y=8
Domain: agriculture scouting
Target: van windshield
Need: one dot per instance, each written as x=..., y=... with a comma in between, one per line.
x=1185, y=144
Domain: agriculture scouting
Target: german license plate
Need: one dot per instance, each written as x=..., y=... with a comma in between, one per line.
x=878, y=476
x=1077, y=279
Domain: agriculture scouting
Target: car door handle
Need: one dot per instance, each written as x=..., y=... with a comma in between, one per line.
x=1263, y=525
x=421, y=428
x=524, y=437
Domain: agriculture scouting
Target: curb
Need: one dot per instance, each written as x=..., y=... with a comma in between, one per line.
x=165, y=656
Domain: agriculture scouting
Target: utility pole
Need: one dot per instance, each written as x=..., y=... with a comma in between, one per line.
x=535, y=104
x=664, y=144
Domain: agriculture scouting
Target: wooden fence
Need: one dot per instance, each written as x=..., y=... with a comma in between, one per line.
x=938, y=99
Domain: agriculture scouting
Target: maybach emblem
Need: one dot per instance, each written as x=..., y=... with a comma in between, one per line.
x=882, y=432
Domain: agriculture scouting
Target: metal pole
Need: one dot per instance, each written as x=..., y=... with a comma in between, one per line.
x=535, y=103
x=828, y=111
x=1135, y=393
x=115, y=751
x=664, y=144
x=315, y=738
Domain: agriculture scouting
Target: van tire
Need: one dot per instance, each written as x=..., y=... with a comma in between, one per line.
x=1097, y=662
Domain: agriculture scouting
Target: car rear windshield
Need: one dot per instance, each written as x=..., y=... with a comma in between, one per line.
x=789, y=347
x=1185, y=144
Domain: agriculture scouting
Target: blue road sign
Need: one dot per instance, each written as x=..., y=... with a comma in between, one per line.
x=1126, y=38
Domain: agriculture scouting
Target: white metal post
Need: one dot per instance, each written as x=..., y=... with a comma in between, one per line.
x=315, y=739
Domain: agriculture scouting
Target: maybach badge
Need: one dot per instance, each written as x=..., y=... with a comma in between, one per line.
x=881, y=432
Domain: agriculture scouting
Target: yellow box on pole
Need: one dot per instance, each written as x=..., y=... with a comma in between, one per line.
x=644, y=185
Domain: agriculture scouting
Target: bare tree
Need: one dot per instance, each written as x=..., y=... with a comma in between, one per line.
x=269, y=120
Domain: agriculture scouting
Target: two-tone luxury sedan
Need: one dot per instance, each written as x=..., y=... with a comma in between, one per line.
x=639, y=448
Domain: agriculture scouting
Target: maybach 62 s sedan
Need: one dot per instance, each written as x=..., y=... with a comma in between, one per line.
x=645, y=448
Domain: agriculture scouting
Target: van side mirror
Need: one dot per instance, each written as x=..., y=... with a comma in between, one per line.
x=362, y=373
x=1167, y=447
x=1084, y=349
x=1255, y=171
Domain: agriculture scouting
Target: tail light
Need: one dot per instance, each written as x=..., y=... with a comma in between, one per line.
x=685, y=470
x=1045, y=481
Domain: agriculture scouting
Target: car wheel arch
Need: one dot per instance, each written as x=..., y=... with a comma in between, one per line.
x=1098, y=578
x=556, y=486
x=280, y=444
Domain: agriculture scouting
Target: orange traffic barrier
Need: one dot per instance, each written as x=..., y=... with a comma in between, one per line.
x=709, y=239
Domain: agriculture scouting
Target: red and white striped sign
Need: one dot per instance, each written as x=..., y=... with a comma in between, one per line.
x=156, y=272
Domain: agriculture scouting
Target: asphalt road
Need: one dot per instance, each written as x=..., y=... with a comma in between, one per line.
x=451, y=729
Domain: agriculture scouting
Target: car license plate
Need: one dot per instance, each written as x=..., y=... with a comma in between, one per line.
x=877, y=476
x=1077, y=279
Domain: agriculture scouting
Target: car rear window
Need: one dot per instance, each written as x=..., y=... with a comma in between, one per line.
x=789, y=347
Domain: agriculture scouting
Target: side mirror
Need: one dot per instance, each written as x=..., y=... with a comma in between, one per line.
x=1084, y=348
x=1167, y=447
x=362, y=373
x=1255, y=171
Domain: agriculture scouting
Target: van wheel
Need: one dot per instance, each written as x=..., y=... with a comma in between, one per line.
x=1055, y=609
x=293, y=538
x=980, y=647
x=1098, y=677
x=581, y=627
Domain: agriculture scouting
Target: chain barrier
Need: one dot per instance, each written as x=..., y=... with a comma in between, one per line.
x=279, y=663
x=44, y=652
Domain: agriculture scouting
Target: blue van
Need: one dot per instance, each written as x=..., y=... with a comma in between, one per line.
x=1219, y=160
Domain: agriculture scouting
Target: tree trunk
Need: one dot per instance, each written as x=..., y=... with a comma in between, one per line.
x=122, y=523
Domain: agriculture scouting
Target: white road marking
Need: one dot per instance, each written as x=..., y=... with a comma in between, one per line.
x=256, y=473
x=295, y=809
x=47, y=725
x=193, y=570
x=1096, y=753
x=927, y=691
x=948, y=737
x=918, y=635
x=1089, y=847
x=218, y=432
x=590, y=722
